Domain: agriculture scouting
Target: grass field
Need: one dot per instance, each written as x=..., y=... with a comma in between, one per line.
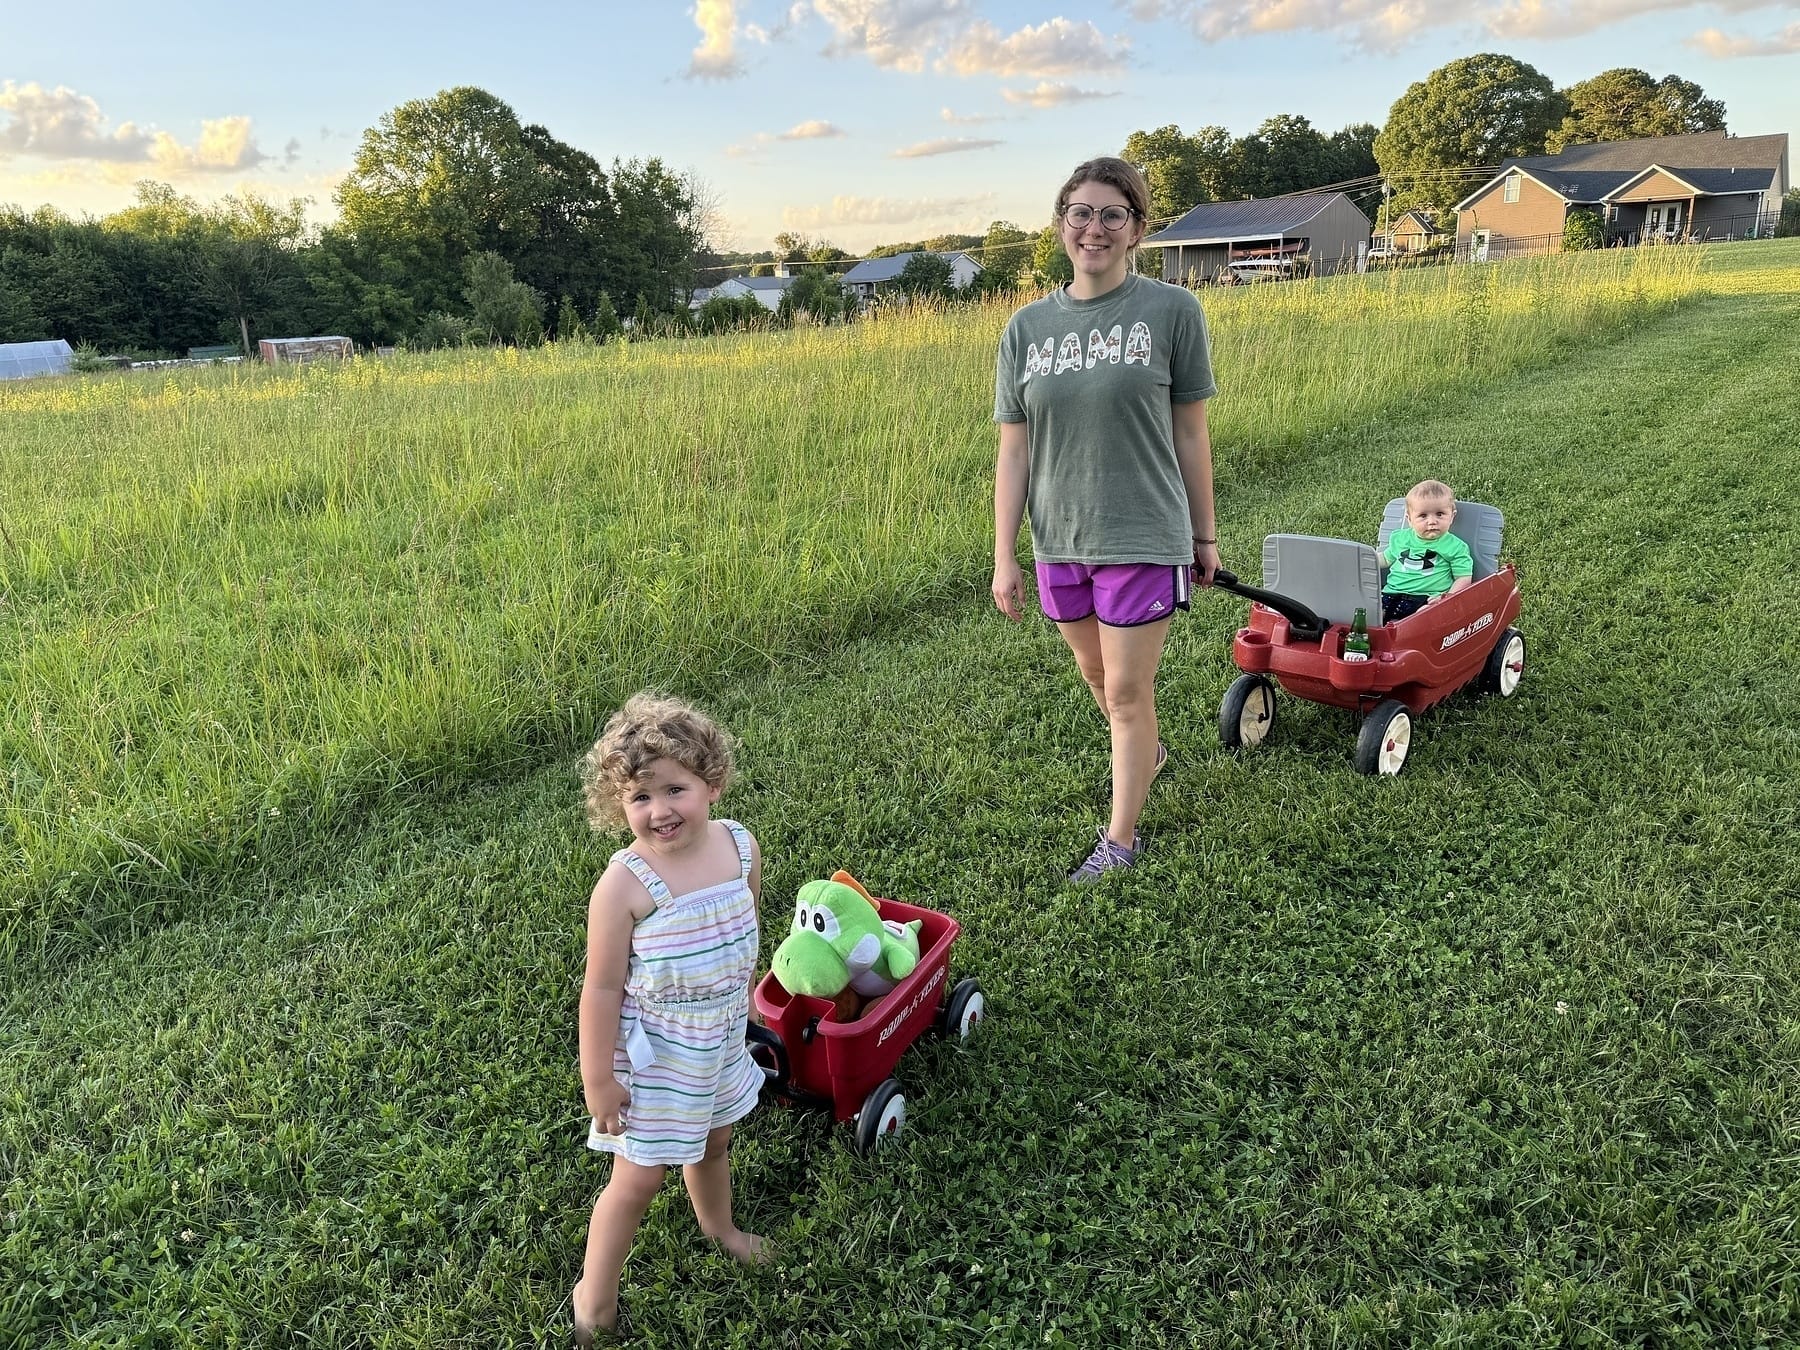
x=243, y=605
x=1501, y=1052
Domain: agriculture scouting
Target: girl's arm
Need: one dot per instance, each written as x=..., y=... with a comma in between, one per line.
x=1193, y=454
x=610, y=920
x=755, y=880
x=1012, y=472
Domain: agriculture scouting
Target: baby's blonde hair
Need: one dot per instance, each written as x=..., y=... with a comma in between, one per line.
x=1432, y=489
x=650, y=727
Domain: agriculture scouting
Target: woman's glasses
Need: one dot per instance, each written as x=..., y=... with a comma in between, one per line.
x=1079, y=215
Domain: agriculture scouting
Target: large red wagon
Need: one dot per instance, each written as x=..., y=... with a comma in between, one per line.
x=1295, y=638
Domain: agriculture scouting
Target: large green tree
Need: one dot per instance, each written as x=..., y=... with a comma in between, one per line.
x=926, y=275
x=1463, y=117
x=1182, y=170
x=1285, y=154
x=652, y=248
x=1624, y=104
x=1050, y=265
x=1005, y=255
x=444, y=179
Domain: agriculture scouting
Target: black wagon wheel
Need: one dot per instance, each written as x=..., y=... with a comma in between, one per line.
x=882, y=1117
x=1505, y=664
x=1247, y=712
x=963, y=1010
x=1385, y=738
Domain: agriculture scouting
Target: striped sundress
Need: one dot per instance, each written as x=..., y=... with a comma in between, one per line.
x=681, y=1051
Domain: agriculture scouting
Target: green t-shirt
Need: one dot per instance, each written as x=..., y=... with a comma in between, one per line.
x=1094, y=382
x=1418, y=568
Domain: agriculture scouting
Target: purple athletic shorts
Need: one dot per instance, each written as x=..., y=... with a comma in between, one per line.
x=1120, y=595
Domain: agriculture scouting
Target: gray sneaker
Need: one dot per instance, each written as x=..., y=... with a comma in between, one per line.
x=1107, y=857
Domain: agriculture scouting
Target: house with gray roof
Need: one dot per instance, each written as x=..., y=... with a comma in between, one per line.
x=1310, y=232
x=767, y=290
x=1705, y=185
x=869, y=276
x=22, y=360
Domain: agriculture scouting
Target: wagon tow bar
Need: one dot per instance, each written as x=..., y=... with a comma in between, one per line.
x=1303, y=624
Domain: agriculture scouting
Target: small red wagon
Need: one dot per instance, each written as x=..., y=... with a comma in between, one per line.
x=1295, y=638
x=812, y=1059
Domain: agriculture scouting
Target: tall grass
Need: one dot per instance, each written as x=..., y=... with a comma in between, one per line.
x=237, y=603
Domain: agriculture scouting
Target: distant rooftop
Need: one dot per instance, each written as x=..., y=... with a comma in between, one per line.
x=1256, y=218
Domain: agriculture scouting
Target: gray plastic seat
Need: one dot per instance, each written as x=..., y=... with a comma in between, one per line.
x=1332, y=577
x=1477, y=525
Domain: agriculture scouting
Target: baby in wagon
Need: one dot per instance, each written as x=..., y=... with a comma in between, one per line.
x=1423, y=562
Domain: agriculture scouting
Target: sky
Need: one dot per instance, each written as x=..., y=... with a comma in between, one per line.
x=853, y=122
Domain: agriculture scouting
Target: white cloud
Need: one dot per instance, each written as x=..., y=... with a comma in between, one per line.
x=1055, y=47
x=1572, y=18
x=1053, y=94
x=1725, y=47
x=1374, y=23
x=1386, y=24
x=806, y=131
x=950, y=145
x=716, y=56
x=909, y=35
x=60, y=124
x=956, y=119
x=897, y=34
x=884, y=211
x=795, y=16
x=225, y=145
x=814, y=130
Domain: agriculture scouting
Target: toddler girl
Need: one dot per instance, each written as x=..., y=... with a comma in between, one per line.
x=672, y=944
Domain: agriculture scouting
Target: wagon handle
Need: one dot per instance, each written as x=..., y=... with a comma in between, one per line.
x=1303, y=624
x=759, y=1037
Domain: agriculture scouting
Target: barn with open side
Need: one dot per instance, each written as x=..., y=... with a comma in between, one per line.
x=1317, y=232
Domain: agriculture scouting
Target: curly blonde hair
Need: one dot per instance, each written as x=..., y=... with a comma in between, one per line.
x=649, y=727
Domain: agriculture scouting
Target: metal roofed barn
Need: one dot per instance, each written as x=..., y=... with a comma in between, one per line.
x=1322, y=231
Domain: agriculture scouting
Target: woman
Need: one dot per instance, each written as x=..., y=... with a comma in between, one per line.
x=1100, y=393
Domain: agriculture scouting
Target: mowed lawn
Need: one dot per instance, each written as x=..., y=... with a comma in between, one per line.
x=1498, y=1052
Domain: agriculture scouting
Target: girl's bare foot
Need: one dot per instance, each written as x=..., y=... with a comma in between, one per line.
x=592, y=1315
x=747, y=1247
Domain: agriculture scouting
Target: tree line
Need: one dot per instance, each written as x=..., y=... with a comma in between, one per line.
x=459, y=223
x=455, y=220
x=1443, y=137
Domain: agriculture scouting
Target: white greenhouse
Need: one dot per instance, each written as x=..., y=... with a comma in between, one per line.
x=22, y=360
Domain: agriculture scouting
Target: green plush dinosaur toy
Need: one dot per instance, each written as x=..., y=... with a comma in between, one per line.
x=839, y=940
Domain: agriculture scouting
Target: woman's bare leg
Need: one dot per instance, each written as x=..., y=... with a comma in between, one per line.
x=1131, y=657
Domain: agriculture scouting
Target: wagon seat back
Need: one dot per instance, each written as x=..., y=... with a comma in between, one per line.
x=1477, y=525
x=1332, y=577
